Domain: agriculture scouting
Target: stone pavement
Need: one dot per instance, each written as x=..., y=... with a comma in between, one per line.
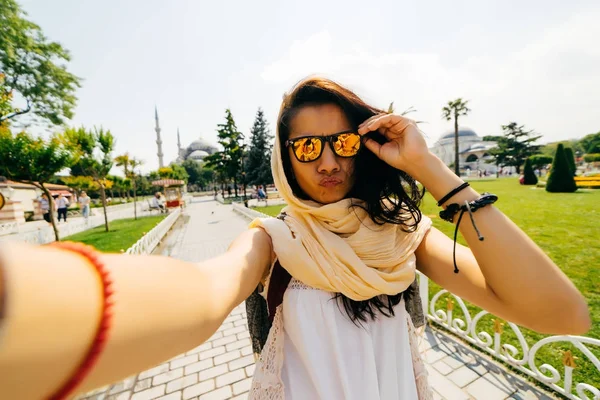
x=222, y=367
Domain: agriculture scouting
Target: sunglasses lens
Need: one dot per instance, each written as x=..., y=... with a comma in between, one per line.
x=307, y=149
x=347, y=144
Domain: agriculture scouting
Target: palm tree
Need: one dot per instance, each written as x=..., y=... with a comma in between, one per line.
x=453, y=110
x=124, y=161
x=134, y=163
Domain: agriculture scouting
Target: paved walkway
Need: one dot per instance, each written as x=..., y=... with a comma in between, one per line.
x=222, y=367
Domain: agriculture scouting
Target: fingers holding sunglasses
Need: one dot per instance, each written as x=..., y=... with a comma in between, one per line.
x=388, y=152
x=387, y=124
x=405, y=147
x=368, y=120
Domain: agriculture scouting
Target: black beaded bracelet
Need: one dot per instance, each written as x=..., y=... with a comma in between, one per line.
x=470, y=207
x=452, y=193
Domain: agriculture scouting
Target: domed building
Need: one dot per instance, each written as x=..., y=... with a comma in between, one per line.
x=472, y=150
x=198, y=150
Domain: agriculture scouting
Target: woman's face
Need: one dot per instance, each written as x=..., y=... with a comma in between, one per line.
x=329, y=178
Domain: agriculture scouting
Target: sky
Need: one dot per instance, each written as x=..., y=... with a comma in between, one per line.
x=533, y=62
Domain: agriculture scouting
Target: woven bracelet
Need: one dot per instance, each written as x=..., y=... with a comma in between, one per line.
x=100, y=339
x=470, y=207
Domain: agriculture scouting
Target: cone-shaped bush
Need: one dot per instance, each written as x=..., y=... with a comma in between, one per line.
x=561, y=178
x=529, y=178
x=571, y=160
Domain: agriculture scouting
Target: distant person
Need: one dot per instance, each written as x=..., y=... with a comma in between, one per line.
x=62, y=203
x=262, y=195
x=158, y=203
x=84, y=205
x=45, y=207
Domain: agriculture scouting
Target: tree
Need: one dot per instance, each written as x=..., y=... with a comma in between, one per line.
x=498, y=154
x=453, y=110
x=491, y=138
x=34, y=69
x=515, y=147
x=33, y=161
x=84, y=183
x=123, y=161
x=590, y=143
x=228, y=163
x=134, y=163
x=560, y=179
x=529, y=177
x=539, y=160
x=591, y=157
x=6, y=96
x=180, y=173
x=173, y=172
x=571, y=160
x=199, y=175
x=80, y=183
x=119, y=184
x=549, y=149
x=94, y=152
x=194, y=171
x=258, y=166
x=216, y=162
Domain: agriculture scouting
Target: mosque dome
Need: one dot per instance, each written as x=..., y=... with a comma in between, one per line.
x=462, y=132
x=201, y=144
x=198, y=155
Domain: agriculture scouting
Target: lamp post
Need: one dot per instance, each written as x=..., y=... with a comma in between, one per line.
x=243, y=147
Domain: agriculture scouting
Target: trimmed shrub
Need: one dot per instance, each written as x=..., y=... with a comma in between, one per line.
x=529, y=175
x=591, y=157
x=571, y=159
x=560, y=179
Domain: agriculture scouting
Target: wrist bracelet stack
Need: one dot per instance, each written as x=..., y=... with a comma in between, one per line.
x=451, y=210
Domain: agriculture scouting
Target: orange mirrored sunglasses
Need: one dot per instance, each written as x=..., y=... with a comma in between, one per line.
x=310, y=148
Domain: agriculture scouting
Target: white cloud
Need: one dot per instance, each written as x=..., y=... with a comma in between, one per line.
x=550, y=84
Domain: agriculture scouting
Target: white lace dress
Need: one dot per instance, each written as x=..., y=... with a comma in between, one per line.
x=315, y=352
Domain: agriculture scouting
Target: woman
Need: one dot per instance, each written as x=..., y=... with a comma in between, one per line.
x=62, y=203
x=351, y=238
x=45, y=207
x=84, y=205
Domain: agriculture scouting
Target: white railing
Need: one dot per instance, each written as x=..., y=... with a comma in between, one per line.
x=9, y=228
x=466, y=328
x=45, y=234
x=152, y=239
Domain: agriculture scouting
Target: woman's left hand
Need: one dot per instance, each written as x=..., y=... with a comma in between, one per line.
x=405, y=149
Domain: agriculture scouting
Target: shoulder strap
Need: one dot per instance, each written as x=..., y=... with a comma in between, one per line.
x=260, y=312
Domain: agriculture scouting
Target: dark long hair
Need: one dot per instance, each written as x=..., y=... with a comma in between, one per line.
x=386, y=193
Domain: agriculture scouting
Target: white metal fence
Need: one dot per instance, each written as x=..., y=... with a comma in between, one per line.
x=45, y=234
x=523, y=357
x=152, y=239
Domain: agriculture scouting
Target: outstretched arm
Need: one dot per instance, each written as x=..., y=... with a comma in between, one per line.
x=507, y=273
x=162, y=308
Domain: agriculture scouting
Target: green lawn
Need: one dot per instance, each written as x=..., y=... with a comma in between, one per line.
x=123, y=233
x=567, y=227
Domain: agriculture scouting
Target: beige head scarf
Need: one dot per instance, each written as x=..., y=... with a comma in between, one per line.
x=337, y=248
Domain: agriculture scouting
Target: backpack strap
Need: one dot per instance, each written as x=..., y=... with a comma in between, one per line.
x=260, y=312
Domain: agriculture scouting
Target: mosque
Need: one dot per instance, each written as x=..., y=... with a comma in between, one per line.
x=196, y=151
x=472, y=150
